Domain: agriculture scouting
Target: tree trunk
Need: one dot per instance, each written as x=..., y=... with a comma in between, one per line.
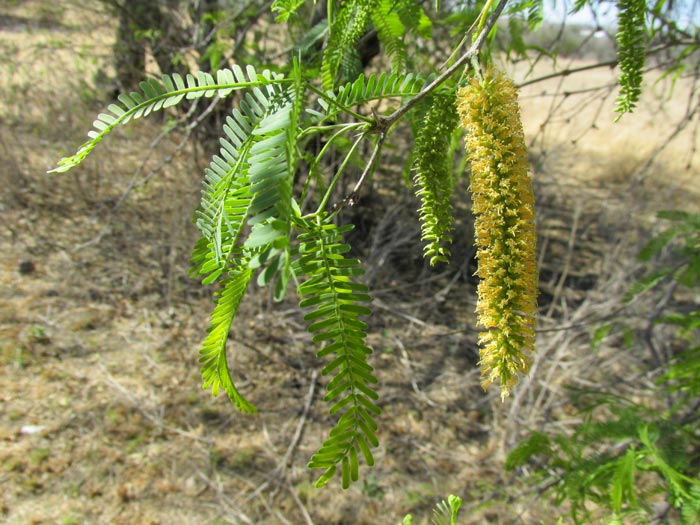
x=139, y=23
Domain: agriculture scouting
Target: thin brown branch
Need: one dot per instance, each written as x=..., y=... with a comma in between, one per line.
x=566, y=72
x=386, y=122
x=370, y=164
x=352, y=198
x=571, y=71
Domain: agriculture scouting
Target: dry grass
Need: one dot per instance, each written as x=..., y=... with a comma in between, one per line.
x=103, y=419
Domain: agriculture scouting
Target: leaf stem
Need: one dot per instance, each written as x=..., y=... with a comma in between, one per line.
x=325, y=148
x=371, y=162
x=352, y=197
x=342, y=127
x=336, y=178
x=334, y=102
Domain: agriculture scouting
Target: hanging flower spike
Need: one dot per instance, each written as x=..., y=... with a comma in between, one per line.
x=503, y=206
x=433, y=177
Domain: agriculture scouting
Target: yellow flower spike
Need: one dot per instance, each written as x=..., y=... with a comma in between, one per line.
x=503, y=206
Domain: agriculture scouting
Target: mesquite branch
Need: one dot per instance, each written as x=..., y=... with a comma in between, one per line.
x=384, y=123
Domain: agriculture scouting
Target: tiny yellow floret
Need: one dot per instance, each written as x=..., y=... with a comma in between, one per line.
x=503, y=206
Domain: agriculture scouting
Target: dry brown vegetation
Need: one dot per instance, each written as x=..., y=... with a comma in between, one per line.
x=103, y=419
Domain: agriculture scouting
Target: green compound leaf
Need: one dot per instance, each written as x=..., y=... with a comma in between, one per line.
x=690, y=511
x=536, y=443
x=170, y=90
x=393, y=19
x=368, y=89
x=215, y=370
x=445, y=513
x=248, y=177
x=285, y=9
x=336, y=302
x=623, y=480
x=391, y=31
x=248, y=183
x=340, y=58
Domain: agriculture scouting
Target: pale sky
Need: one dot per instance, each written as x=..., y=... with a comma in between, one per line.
x=556, y=9
x=686, y=10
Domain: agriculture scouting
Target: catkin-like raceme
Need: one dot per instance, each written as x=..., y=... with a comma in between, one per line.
x=503, y=206
x=631, y=52
x=433, y=176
